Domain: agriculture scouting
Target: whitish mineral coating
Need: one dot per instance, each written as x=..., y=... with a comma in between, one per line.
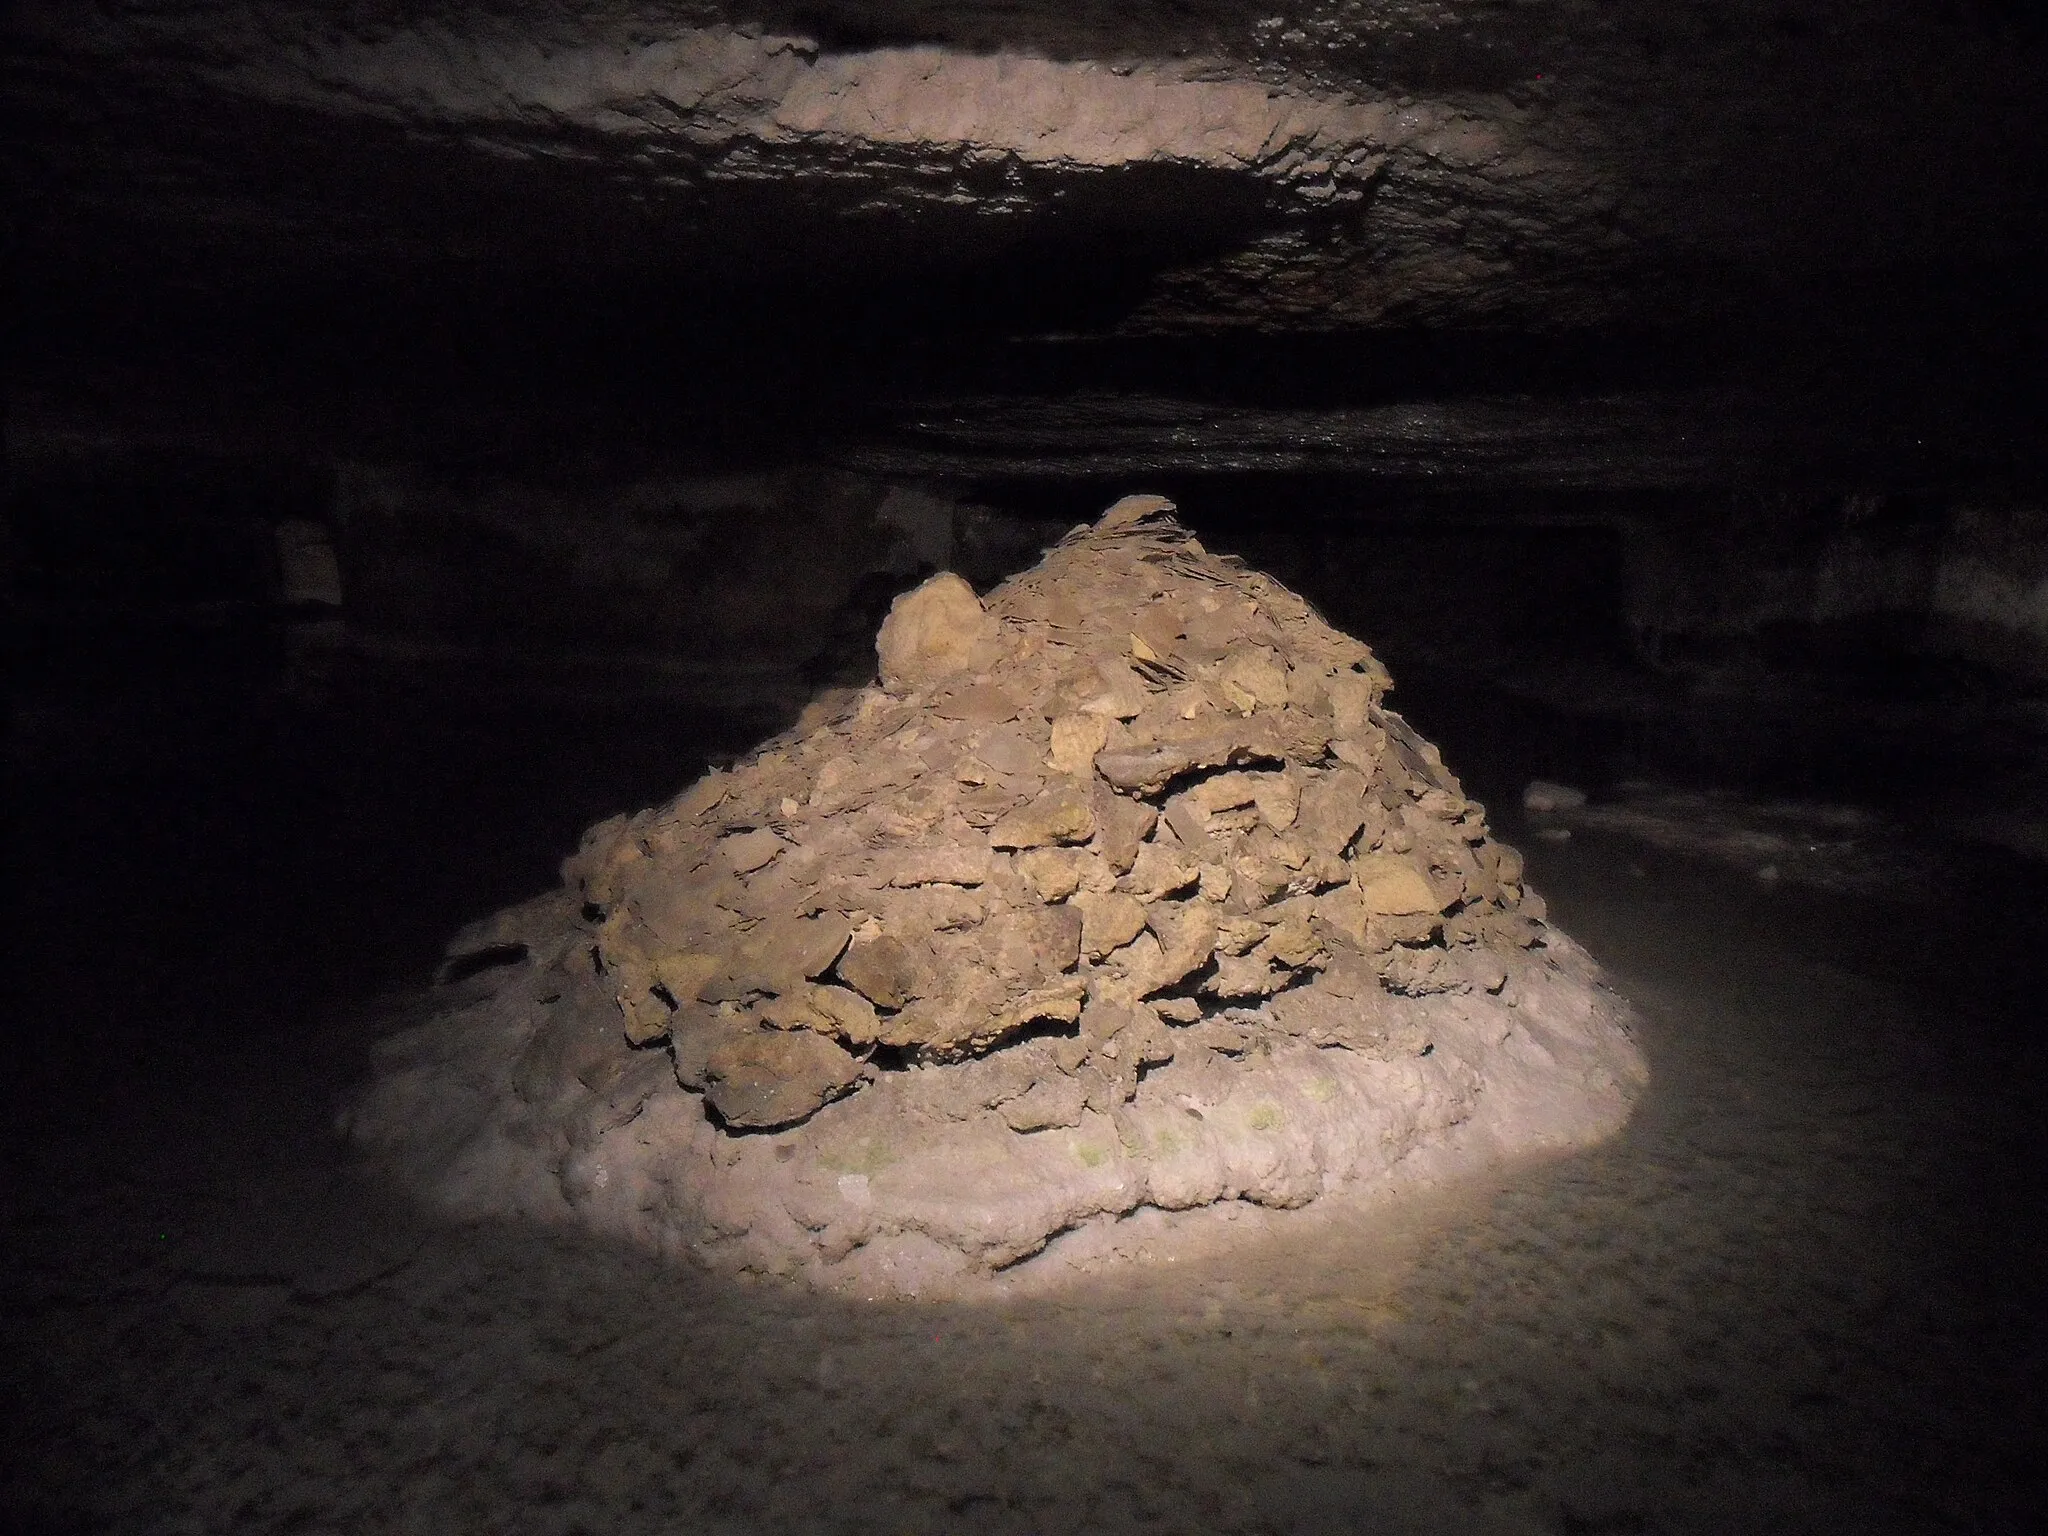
x=1123, y=889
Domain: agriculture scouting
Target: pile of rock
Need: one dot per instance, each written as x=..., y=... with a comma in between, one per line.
x=1138, y=788
x=1140, y=816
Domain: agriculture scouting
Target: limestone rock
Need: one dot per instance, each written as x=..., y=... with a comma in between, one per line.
x=1390, y=884
x=1076, y=739
x=746, y=852
x=934, y=632
x=1053, y=874
x=1121, y=826
x=1108, y=921
x=757, y=1081
x=884, y=970
x=1187, y=933
x=1060, y=815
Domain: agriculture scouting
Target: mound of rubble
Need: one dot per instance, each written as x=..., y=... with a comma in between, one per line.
x=1122, y=888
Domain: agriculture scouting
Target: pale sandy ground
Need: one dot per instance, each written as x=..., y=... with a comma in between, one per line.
x=1800, y=1293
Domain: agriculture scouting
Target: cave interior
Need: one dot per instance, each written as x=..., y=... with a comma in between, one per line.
x=432, y=428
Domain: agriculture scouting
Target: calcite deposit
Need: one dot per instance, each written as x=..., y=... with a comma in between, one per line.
x=1121, y=887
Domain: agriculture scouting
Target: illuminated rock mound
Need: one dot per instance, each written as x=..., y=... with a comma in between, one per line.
x=1121, y=889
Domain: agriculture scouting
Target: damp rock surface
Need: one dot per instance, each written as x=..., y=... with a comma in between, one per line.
x=1123, y=888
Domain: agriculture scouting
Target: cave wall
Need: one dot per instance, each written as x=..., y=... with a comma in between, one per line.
x=724, y=572
x=1750, y=582
x=1858, y=581
x=775, y=580
x=1989, y=600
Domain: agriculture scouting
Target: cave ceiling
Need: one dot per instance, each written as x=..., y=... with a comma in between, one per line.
x=1537, y=168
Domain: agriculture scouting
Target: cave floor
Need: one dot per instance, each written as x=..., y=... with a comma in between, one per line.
x=1802, y=1291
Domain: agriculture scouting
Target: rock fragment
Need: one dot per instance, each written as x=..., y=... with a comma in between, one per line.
x=1108, y=921
x=1076, y=738
x=1061, y=814
x=934, y=632
x=884, y=970
x=757, y=1081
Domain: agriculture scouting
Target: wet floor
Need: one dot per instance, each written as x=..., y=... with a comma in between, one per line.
x=1802, y=1291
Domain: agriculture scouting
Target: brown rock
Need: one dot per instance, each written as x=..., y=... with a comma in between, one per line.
x=1147, y=1043
x=1417, y=972
x=986, y=806
x=1029, y=944
x=1333, y=810
x=1257, y=877
x=683, y=974
x=993, y=827
x=646, y=1015
x=1187, y=933
x=1158, y=872
x=1190, y=829
x=884, y=970
x=1076, y=739
x=929, y=909
x=1212, y=741
x=1060, y=815
x=1121, y=826
x=1216, y=1035
x=1009, y=750
x=1383, y=933
x=777, y=955
x=826, y=1009
x=1391, y=885
x=979, y=704
x=694, y=1033
x=950, y=1020
x=1108, y=921
x=1242, y=976
x=745, y=852
x=1253, y=677
x=1141, y=965
x=1276, y=797
x=978, y=1013
x=1352, y=696
x=846, y=1012
x=1292, y=943
x=1053, y=874
x=1342, y=916
x=1107, y=1015
x=934, y=632
x=792, y=1010
x=1218, y=792
x=1131, y=511
x=1239, y=933
x=1123, y=694
x=763, y=1079
x=1365, y=1024
x=1421, y=760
